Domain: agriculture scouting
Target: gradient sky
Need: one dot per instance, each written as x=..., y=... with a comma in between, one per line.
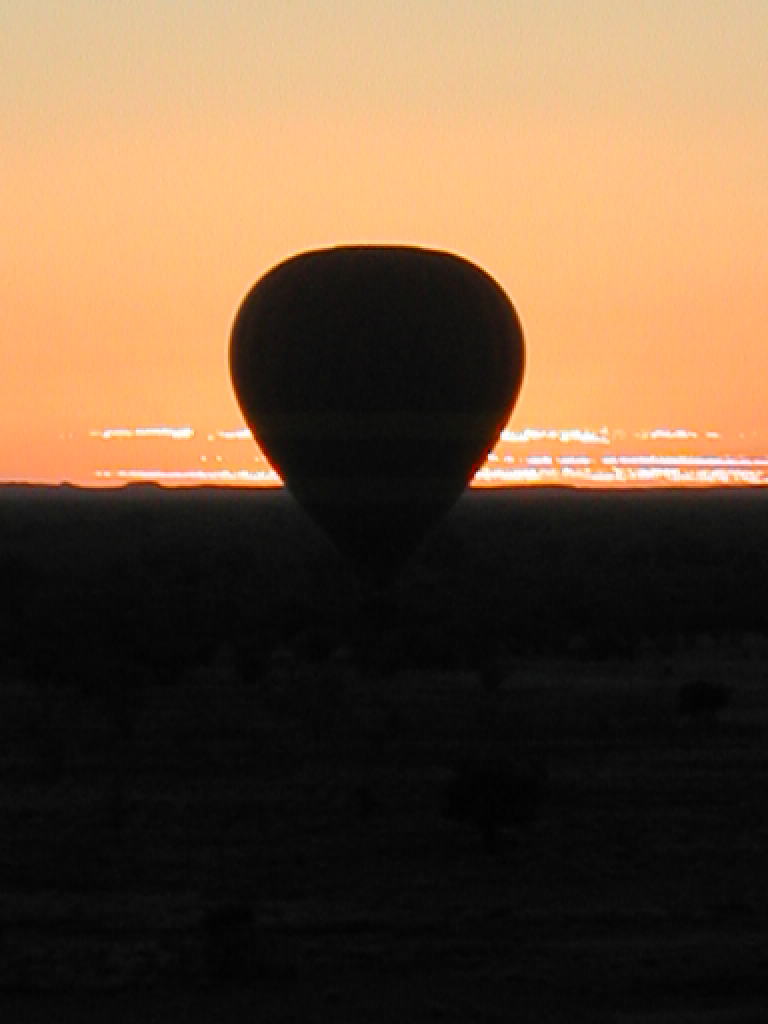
x=606, y=161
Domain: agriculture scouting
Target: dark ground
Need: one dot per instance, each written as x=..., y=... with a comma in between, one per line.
x=221, y=783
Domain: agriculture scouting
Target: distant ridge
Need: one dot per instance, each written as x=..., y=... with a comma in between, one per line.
x=135, y=490
x=138, y=490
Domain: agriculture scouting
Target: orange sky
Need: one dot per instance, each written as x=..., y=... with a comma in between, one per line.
x=608, y=169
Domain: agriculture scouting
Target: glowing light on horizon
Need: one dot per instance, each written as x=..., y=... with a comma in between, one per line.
x=197, y=475
x=546, y=464
x=126, y=433
x=725, y=461
x=665, y=434
x=566, y=436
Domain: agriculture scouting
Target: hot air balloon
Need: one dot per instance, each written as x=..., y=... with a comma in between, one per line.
x=376, y=379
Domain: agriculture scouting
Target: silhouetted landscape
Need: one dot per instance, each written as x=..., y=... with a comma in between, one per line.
x=527, y=782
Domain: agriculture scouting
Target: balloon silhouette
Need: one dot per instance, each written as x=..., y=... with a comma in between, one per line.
x=376, y=380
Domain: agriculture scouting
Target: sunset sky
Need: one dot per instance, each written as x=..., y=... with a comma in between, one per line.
x=606, y=161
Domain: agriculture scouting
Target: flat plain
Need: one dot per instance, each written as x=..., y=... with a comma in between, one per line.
x=222, y=783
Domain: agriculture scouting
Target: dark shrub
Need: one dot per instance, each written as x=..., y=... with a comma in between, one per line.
x=494, y=795
x=702, y=698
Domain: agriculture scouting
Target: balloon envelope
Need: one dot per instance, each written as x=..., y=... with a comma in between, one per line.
x=376, y=379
